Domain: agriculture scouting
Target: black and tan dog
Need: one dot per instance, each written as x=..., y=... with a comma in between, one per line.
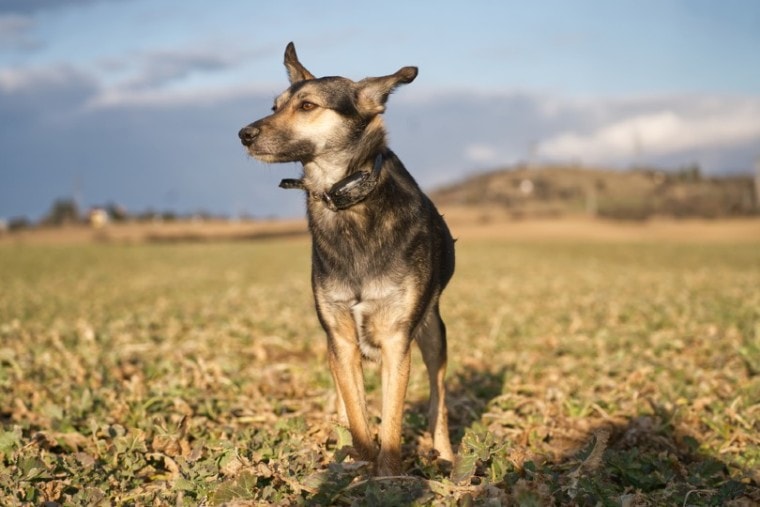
x=381, y=253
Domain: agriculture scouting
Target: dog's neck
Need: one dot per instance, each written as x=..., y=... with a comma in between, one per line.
x=323, y=172
x=343, y=180
x=347, y=192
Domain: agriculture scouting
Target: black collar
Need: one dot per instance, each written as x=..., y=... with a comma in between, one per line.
x=347, y=192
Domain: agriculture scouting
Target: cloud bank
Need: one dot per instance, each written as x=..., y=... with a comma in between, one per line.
x=32, y=6
x=142, y=141
x=707, y=124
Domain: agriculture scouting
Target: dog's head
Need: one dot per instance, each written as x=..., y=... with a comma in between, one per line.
x=318, y=117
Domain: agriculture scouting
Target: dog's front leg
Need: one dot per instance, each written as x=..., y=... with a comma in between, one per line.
x=396, y=358
x=346, y=368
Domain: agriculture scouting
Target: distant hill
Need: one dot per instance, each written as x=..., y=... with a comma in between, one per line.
x=551, y=191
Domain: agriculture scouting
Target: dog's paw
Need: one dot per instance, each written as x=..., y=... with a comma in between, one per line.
x=388, y=464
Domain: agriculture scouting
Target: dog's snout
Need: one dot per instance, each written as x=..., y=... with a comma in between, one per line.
x=248, y=134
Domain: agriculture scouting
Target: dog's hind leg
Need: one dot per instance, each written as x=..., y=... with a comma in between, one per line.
x=432, y=341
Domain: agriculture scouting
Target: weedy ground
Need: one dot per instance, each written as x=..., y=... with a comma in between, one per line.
x=580, y=373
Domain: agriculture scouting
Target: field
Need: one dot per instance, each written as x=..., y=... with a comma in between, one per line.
x=590, y=367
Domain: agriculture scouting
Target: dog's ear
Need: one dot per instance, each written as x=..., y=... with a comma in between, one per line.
x=296, y=71
x=372, y=92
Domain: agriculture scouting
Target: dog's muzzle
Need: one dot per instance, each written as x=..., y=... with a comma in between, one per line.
x=248, y=134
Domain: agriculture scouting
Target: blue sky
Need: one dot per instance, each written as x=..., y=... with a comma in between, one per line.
x=138, y=101
x=571, y=47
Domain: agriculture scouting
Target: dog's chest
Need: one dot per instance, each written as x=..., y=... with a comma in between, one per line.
x=380, y=310
x=357, y=247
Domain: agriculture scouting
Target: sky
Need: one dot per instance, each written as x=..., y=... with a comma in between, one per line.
x=138, y=102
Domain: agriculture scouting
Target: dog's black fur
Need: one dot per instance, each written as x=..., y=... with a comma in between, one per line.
x=380, y=260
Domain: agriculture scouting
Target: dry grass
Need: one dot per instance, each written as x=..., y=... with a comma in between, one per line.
x=474, y=222
x=470, y=222
x=582, y=372
x=158, y=232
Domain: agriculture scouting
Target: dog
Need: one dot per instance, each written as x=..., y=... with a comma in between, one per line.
x=381, y=252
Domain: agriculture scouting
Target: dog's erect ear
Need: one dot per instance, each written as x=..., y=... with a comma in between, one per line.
x=296, y=71
x=372, y=92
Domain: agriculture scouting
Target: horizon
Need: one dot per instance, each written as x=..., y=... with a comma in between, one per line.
x=118, y=213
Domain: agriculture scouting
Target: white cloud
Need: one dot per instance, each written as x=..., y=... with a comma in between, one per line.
x=157, y=68
x=29, y=79
x=124, y=97
x=705, y=124
x=174, y=76
x=15, y=32
x=481, y=153
x=154, y=79
x=31, y=6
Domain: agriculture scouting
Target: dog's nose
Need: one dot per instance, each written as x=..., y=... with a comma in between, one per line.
x=248, y=134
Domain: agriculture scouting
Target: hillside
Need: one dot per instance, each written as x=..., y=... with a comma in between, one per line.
x=553, y=191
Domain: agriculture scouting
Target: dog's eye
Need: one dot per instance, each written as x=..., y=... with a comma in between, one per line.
x=274, y=108
x=307, y=106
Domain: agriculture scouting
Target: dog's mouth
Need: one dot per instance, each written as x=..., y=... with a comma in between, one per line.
x=259, y=152
x=262, y=155
x=272, y=158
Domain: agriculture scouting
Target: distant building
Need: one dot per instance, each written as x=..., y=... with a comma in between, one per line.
x=526, y=186
x=98, y=218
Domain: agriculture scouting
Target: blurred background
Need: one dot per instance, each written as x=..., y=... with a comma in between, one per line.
x=624, y=109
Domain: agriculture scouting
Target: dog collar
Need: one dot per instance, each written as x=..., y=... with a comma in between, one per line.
x=347, y=192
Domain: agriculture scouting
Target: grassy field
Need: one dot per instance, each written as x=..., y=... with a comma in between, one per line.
x=581, y=373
